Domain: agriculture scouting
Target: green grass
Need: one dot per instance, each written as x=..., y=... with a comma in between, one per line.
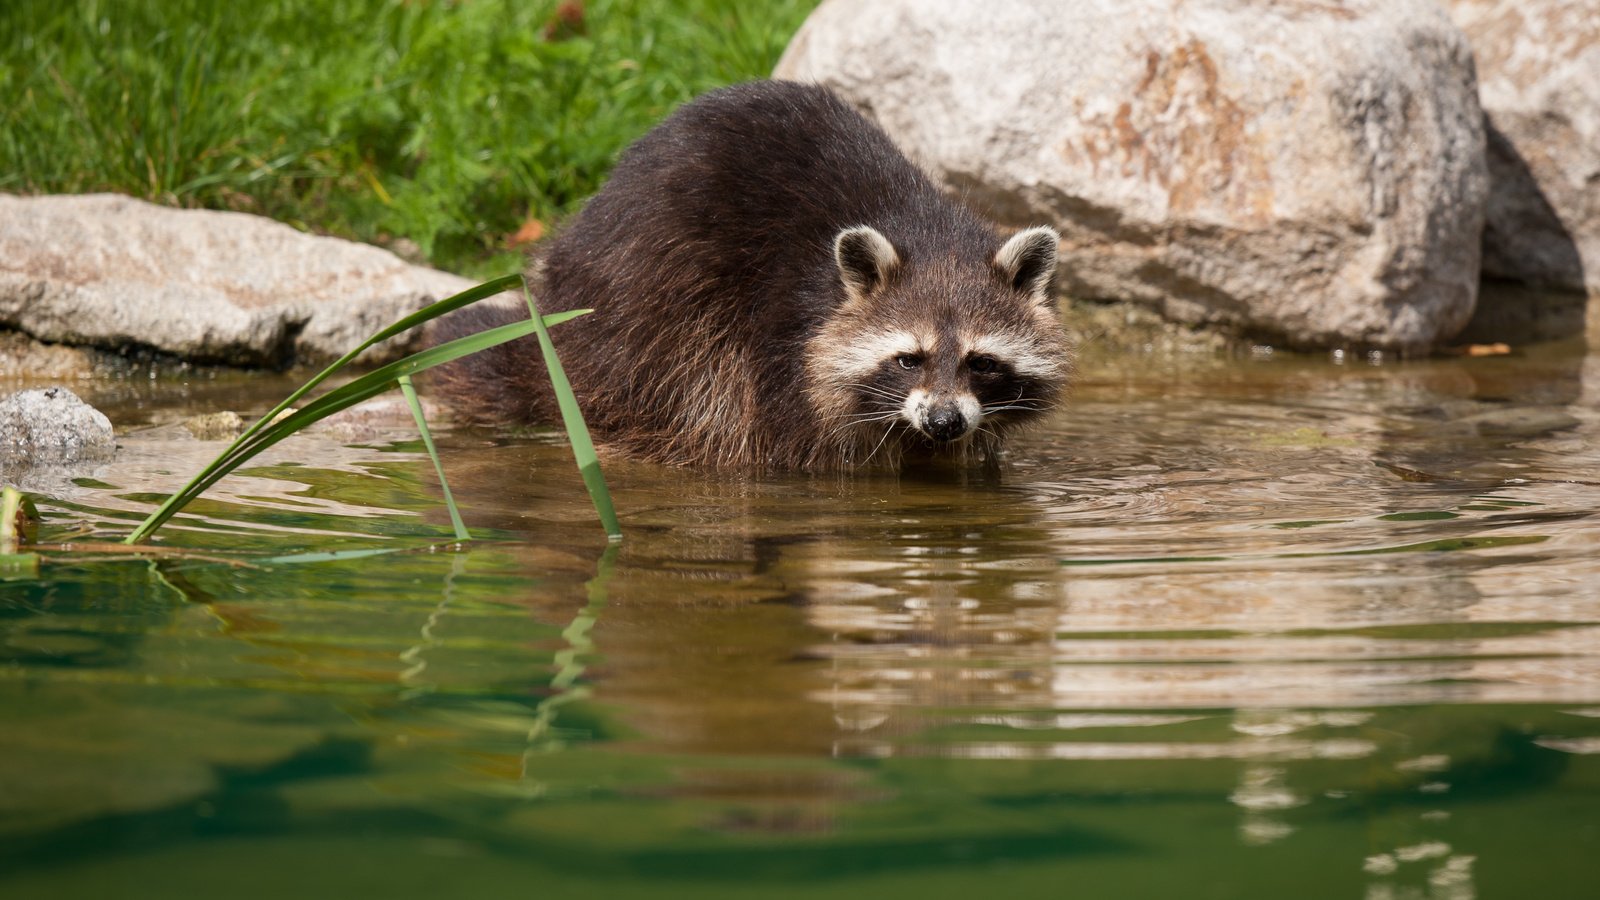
x=444, y=122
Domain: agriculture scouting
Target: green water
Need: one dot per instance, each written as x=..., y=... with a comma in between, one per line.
x=1254, y=628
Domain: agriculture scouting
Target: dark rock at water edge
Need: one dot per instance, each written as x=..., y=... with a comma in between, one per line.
x=1539, y=82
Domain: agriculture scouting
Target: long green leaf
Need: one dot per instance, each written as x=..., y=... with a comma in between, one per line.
x=413, y=401
x=421, y=316
x=270, y=431
x=18, y=518
x=426, y=314
x=577, y=430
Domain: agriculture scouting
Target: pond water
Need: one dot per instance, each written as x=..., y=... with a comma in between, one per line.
x=1247, y=627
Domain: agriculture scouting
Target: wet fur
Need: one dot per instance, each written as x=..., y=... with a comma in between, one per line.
x=709, y=258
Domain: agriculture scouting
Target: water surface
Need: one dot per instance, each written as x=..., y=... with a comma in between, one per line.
x=1257, y=627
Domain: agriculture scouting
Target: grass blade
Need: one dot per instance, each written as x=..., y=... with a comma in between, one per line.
x=270, y=431
x=415, y=403
x=18, y=520
x=577, y=431
x=282, y=421
x=426, y=314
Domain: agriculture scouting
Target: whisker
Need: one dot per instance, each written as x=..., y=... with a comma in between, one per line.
x=878, y=392
x=1020, y=402
x=851, y=426
x=1039, y=404
x=865, y=418
x=989, y=410
x=881, y=441
x=881, y=410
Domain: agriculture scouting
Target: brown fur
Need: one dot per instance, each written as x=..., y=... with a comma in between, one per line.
x=710, y=260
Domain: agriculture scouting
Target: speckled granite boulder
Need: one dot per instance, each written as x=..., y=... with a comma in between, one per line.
x=51, y=427
x=111, y=271
x=1311, y=172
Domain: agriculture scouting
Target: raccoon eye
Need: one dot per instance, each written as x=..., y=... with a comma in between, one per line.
x=983, y=365
x=908, y=360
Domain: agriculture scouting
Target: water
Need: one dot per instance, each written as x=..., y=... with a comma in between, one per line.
x=1226, y=628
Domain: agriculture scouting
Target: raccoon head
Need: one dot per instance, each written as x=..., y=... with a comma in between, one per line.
x=946, y=352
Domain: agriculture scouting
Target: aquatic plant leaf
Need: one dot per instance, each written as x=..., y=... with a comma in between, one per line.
x=283, y=420
x=577, y=432
x=426, y=314
x=420, y=317
x=19, y=519
x=415, y=403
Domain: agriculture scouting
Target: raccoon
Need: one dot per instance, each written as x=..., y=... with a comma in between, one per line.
x=776, y=286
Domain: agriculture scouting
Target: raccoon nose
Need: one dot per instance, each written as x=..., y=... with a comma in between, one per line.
x=946, y=424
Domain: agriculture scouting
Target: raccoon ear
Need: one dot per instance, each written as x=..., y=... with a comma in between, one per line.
x=1028, y=261
x=865, y=258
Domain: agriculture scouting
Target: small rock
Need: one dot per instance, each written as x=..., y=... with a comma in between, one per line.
x=217, y=426
x=51, y=426
x=381, y=417
x=1521, y=421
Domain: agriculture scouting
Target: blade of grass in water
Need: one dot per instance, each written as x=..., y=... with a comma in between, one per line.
x=17, y=517
x=415, y=403
x=577, y=431
x=272, y=430
x=421, y=316
x=194, y=488
x=17, y=520
x=280, y=422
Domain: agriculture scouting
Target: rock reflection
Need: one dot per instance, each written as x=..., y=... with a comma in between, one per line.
x=948, y=638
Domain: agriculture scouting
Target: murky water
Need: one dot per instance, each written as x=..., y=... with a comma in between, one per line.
x=1252, y=628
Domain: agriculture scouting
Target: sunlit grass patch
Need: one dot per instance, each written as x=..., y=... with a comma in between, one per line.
x=447, y=124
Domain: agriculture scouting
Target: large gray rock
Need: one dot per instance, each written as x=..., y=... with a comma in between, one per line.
x=1539, y=80
x=51, y=426
x=1308, y=171
x=111, y=271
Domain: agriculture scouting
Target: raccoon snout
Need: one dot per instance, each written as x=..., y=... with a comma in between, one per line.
x=946, y=424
